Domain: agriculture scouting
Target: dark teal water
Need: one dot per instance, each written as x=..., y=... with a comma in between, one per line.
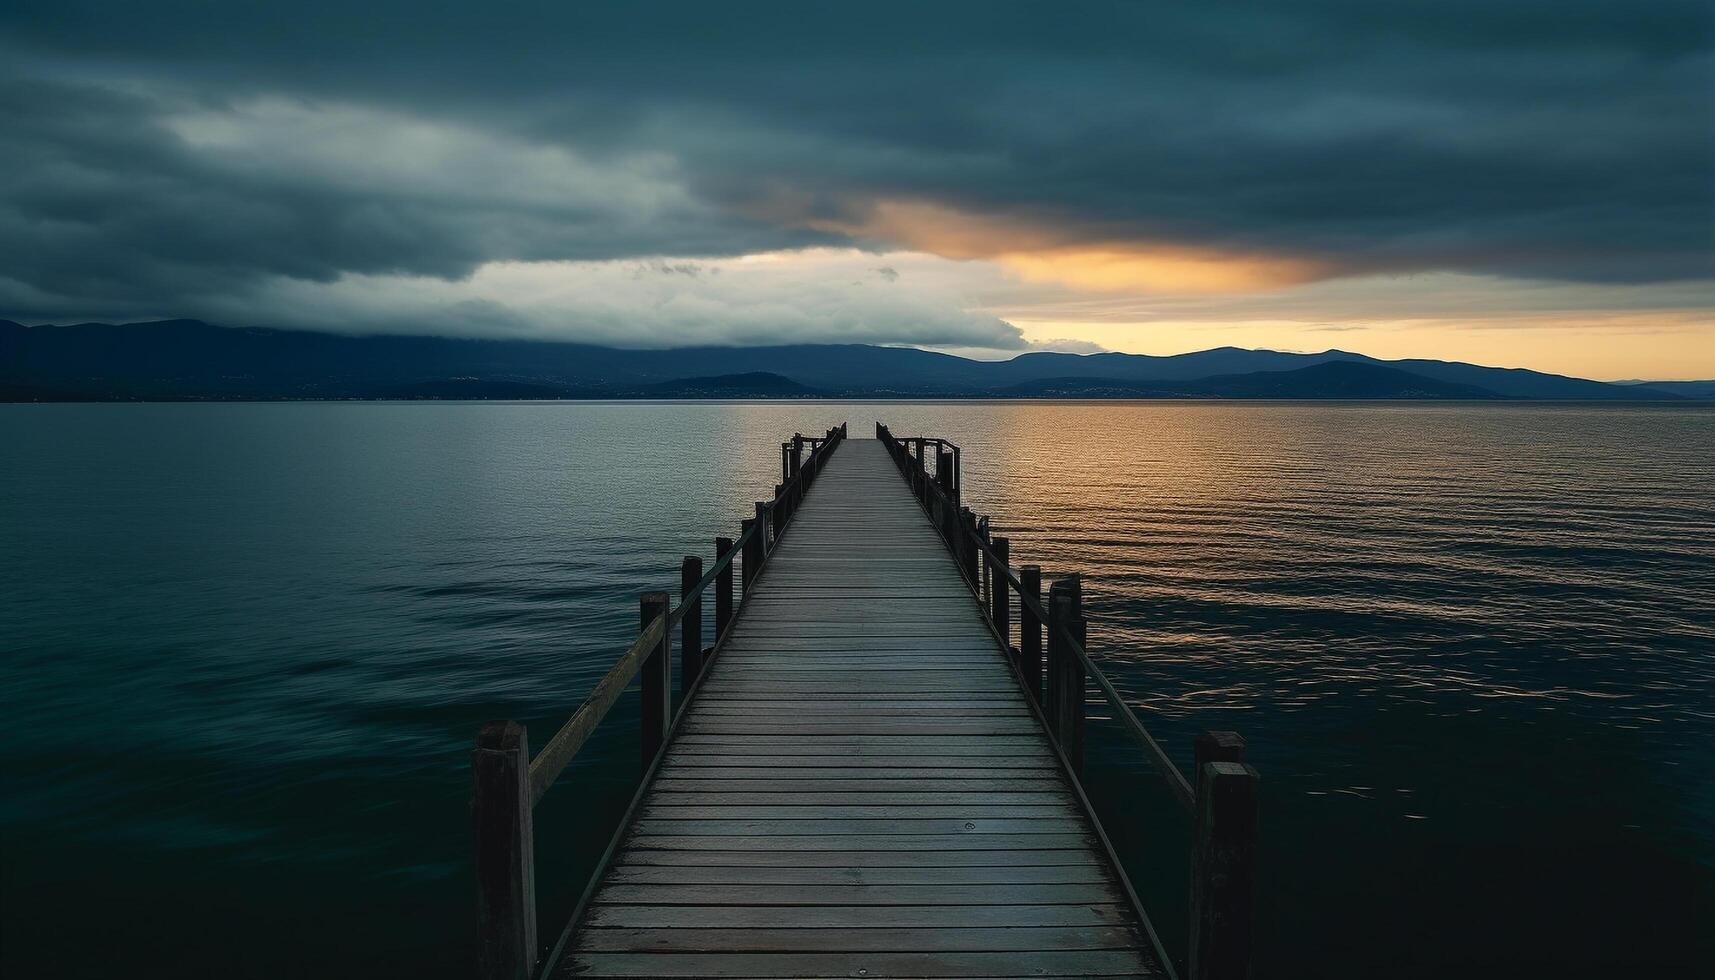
x=243, y=649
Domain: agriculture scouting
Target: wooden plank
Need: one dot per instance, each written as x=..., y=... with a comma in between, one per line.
x=715, y=758
x=762, y=826
x=904, y=725
x=810, y=809
x=769, y=875
x=1049, y=963
x=703, y=839
x=646, y=857
x=842, y=940
x=923, y=793
x=1000, y=712
x=847, y=894
x=954, y=789
x=801, y=743
x=856, y=917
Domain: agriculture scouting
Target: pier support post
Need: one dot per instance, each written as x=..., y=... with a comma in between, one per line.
x=1223, y=872
x=1065, y=700
x=657, y=670
x=1073, y=708
x=1218, y=747
x=690, y=626
x=1000, y=605
x=752, y=553
x=777, y=511
x=723, y=589
x=968, y=547
x=1030, y=630
x=762, y=521
x=505, y=853
x=986, y=588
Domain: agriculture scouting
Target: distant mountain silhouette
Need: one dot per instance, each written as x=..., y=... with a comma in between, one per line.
x=188, y=359
x=751, y=384
x=473, y=389
x=1684, y=389
x=1331, y=379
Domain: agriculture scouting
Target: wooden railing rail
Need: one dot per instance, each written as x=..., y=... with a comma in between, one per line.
x=1222, y=803
x=507, y=783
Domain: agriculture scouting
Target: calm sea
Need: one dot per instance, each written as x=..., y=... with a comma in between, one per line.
x=243, y=650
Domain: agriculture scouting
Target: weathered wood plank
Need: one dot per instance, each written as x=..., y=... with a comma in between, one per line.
x=760, y=826
x=855, y=917
x=846, y=939
x=700, y=764
x=705, y=840
x=945, y=788
x=1048, y=963
x=744, y=875
x=645, y=857
x=778, y=894
x=811, y=810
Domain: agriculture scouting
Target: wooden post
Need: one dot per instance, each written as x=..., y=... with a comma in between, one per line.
x=690, y=626
x=1064, y=704
x=752, y=553
x=987, y=587
x=969, y=541
x=505, y=853
x=1030, y=630
x=1219, y=747
x=1223, y=872
x=778, y=512
x=762, y=522
x=723, y=590
x=1000, y=606
x=1072, y=711
x=657, y=671
x=797, y=452
x=1059, y=610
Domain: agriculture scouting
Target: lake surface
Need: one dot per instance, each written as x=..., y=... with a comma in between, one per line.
x=244, y=648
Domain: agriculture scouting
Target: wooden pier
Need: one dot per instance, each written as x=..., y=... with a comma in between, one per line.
x=865, y=776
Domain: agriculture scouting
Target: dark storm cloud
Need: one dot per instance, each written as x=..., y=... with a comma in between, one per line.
x=1566, y=140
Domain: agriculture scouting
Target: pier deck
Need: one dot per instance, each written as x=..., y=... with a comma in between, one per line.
x=860, y=787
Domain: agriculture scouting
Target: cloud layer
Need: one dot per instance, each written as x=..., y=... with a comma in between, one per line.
x=182, y=158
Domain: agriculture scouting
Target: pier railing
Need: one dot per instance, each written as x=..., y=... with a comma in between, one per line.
x=508, y=782
x=1221, y=799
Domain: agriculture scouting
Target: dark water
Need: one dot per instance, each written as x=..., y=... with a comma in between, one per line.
x=243, y=649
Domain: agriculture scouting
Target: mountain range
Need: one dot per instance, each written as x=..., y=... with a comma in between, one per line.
x=192, y=360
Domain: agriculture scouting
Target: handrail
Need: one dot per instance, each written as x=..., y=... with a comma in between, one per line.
x=1181, y=788
x=1223, y=801
x=509, y=783
x=1176, y=781
x=553, y=757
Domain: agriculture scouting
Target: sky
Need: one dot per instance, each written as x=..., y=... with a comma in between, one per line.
x=1511, y=182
